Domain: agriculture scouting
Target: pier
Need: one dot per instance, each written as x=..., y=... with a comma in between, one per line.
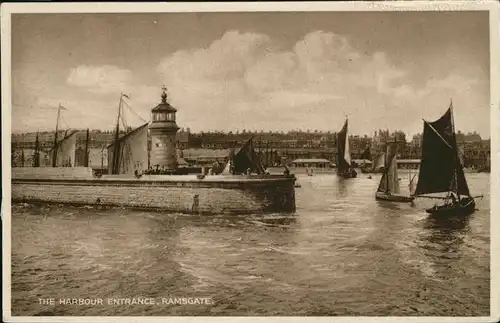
x=217, y=194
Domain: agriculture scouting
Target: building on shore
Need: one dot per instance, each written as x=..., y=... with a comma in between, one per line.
x=274, y=148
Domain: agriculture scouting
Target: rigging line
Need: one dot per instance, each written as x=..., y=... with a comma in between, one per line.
x=437, y=133
x=124, y=124
x=457, y=154
x=65, y=123
x=134, y=112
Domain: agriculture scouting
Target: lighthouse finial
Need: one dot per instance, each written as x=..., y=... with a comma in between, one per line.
x=164, y=94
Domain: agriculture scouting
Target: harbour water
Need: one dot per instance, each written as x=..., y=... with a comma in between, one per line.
x=342, y=253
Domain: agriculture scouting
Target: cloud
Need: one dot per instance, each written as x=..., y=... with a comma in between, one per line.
x=100, y=79
x=245, y=73
x=225, y=58
x=247, y=80
x=243, y=80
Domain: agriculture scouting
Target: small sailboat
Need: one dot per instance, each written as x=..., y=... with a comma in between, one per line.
x=244, y=161
x=388, y=188
x=441, y=170
x=344, y=164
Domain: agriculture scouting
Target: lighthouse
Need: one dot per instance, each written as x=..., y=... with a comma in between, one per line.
x=163, y=131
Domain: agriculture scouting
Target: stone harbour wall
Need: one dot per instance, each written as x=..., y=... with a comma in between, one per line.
x=231, y=196
x=51, y=172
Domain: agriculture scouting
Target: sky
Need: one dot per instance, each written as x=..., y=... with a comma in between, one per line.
x=253, y=71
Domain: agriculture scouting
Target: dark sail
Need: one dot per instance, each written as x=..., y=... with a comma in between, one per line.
x=342, y=143
x=440, y=168
x=246, y=158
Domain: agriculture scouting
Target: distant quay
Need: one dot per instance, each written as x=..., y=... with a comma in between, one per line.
x=213, y=194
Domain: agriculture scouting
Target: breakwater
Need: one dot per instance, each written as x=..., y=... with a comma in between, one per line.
x=217, y=194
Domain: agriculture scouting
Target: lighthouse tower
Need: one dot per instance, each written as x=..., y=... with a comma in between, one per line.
x=163, y=131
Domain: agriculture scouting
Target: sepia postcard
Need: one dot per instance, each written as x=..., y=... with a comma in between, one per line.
x=250, y=161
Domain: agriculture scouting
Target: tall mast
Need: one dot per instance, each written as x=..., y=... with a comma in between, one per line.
x=346, y=141
x=86, y=162
x=22, y=157
x=267, y=153
x=387, y=169
x=457, y=161
x=36, y=155
x=102, y=157
x=116, y=150
x=395, y=176
x=54, y=149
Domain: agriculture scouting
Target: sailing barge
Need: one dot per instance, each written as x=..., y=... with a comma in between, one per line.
x=344, y=162
x=388, y=188
x=441, y=170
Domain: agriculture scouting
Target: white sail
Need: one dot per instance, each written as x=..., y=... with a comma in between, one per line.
x=379, y=162
x=347, y=152
x=227, y=168
x=393, y=176
x=66, y=151
x=133, y=151
x=389, y=183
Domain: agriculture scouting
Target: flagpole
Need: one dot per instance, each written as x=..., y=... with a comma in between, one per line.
x=54, y=152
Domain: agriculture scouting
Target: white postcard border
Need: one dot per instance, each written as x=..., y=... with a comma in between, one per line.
x=7, y=9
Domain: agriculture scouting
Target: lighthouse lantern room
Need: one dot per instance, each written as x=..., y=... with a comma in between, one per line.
x=163, y=131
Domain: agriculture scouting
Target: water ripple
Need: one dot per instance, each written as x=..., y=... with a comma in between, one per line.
x=342, y=253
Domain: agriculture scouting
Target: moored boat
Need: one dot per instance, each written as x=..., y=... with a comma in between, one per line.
x=388, y=188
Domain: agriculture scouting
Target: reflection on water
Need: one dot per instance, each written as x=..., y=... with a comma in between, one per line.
x=341, y=188
x=447, y=225
x=342, y=253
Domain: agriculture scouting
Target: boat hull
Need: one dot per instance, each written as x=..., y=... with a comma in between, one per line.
x=393, y=198
x=464, y=207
